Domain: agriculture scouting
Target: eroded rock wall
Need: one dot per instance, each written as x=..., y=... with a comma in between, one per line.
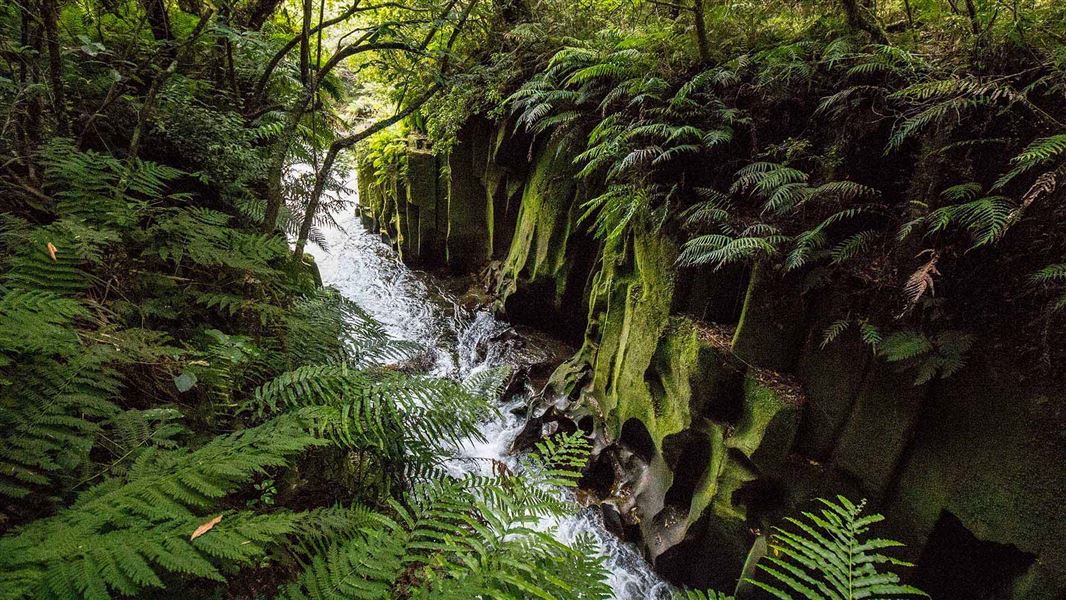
x=716, y=406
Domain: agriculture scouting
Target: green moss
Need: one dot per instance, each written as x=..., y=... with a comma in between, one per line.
x=633, y=292
x=311, y=267
x=879, y=428
x=731, y=478
x=707, y=488
x=772, y=324
x=371, y=200
x=767, y=426
x=545, y=221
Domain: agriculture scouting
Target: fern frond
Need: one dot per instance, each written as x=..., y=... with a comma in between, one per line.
x=1051, y=274
x=904, y=345
x=1038, y=152
x=387, y=411
x=986, y=219
x=701, y=595
x=834, y=330
x=119, y=534
x=935, y=114
x=827, y=555
x=721, y=250
x=466, y=538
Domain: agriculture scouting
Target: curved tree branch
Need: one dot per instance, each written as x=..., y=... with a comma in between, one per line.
x=331, y=157
x=348, y=141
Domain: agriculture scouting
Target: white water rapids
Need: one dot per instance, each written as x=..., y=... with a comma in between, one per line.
x=411, y=307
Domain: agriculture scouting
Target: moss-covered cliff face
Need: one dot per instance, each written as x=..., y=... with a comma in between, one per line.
x=717, y=407
x=545, y=272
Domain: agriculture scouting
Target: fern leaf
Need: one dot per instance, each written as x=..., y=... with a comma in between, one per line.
x=827, y=555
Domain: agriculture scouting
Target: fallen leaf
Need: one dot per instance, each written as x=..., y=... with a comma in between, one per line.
x=51, y=251
x=202, y=529
x=185, y=381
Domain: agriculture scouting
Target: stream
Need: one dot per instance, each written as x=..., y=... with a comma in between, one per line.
x=413, y=306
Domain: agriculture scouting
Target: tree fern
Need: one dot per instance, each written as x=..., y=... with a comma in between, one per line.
x=617, y=209
x=100, y=189
x=1053, y=275
x=986, y=218
x=904, y=345
x=398, y=415
x=721, y=250
x=465, y=538
x=57, y=257
x=131, y=432
x=828, y=555
x=48, y=316
x=121, y=533
x=833, y=331
x=1041, y=151
x=928, y=356
x=935, y=101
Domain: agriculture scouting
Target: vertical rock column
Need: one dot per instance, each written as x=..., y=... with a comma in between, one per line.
x=468, y=218
x=426, y=232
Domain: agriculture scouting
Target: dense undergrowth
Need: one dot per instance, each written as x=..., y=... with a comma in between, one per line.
x=913, y=160
x=185, y=410
x=184, y=407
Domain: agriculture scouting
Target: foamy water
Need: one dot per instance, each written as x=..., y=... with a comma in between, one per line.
x=462, y=342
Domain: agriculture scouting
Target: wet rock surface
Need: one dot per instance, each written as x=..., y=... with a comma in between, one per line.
x=715, y=408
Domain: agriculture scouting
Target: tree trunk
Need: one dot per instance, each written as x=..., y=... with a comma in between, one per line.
x=971, y=13
x=322, y=174
x=193, y=7
x=148, y=109
x=305, y=43
x=276, y=165
x=701, y=31
x=50, y=14
x=260, y=11
x=30, y=121
x=256, y=97
x=158, y=21
x=860, y=17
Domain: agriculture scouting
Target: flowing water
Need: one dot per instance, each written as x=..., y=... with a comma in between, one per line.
x=413, y=307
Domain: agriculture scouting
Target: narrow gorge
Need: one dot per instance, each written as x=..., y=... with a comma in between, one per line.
x=533, y=299
x=716, y=405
